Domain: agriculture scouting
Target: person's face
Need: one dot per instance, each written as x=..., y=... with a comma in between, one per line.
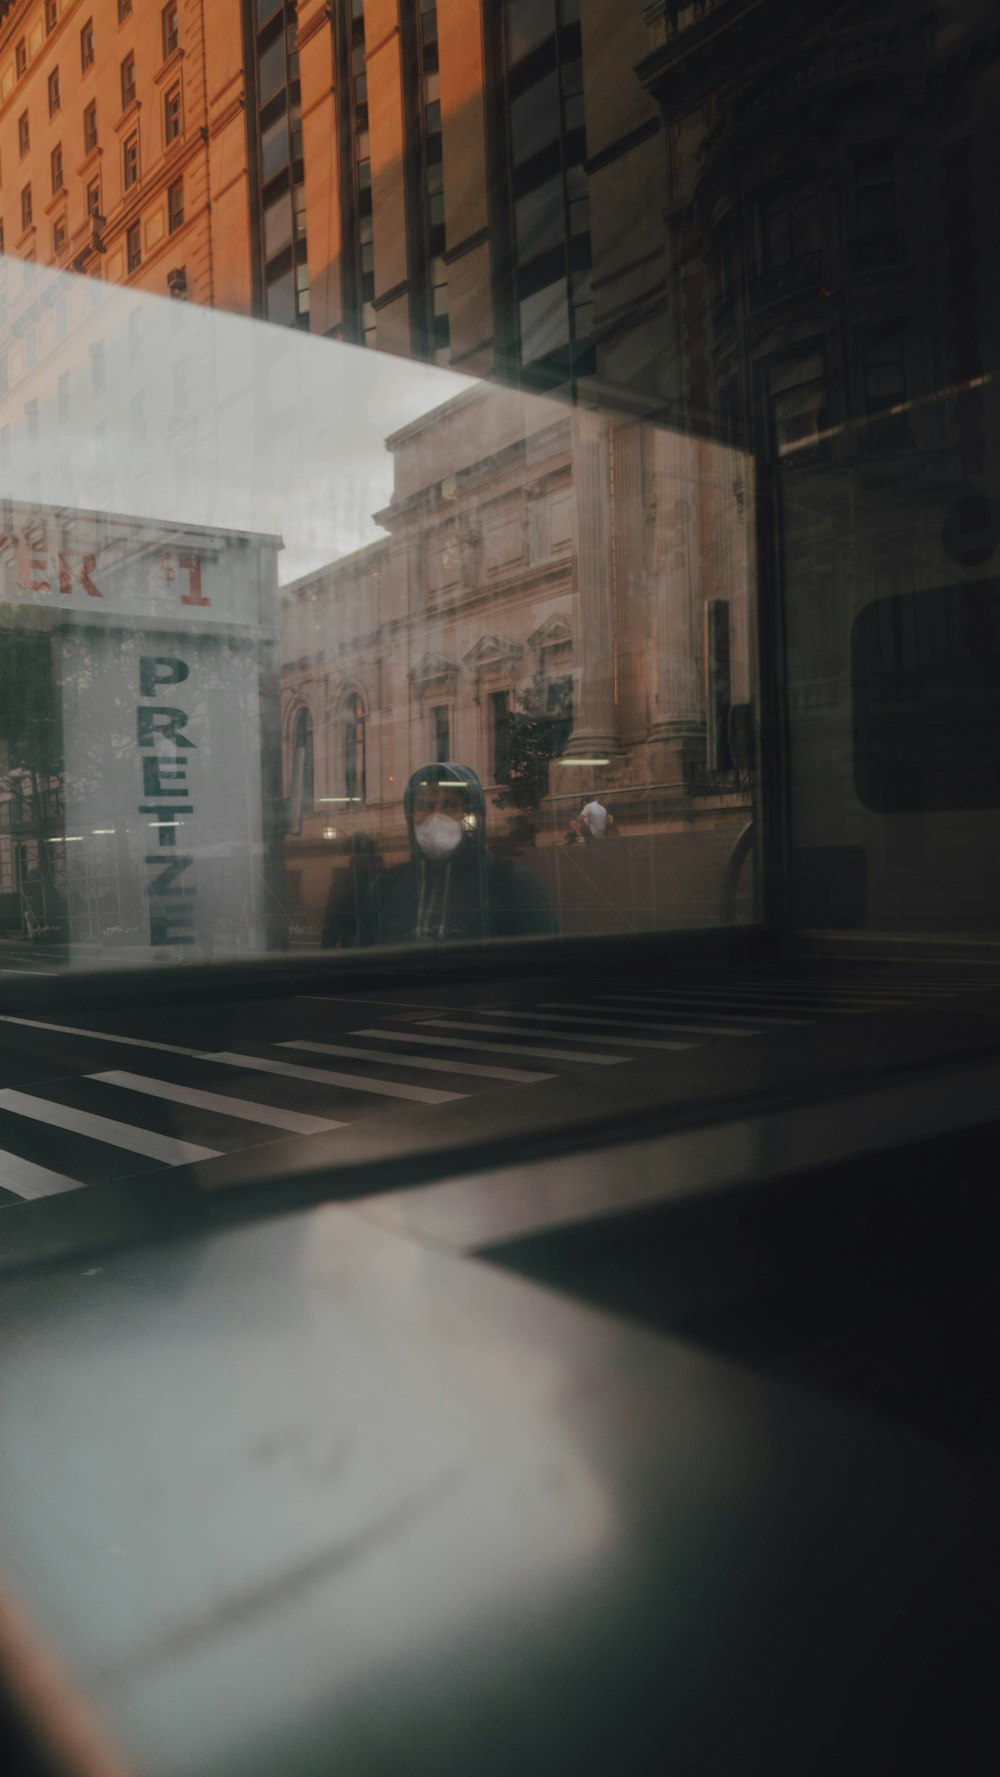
x=432, y=799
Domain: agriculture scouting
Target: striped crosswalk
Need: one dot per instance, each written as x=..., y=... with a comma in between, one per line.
x=81, y=1104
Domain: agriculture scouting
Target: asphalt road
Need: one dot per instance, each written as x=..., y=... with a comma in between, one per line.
x=221, y=1095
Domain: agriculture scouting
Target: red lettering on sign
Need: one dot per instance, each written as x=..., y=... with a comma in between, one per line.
x=89, y=564
x=194, y=595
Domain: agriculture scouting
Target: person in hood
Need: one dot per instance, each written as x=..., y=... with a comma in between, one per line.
x=452, y=887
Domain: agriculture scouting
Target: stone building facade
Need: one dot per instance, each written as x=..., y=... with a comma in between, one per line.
x=531, y=546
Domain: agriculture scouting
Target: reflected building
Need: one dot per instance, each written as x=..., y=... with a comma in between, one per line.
x=834, y=253
x=583, y=566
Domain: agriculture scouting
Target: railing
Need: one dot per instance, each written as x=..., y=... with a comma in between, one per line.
x=704, y=780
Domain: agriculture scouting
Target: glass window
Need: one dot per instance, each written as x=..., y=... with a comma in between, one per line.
x=175, y=206
x=128, y=81
x=277, y=227
x=172, y=115
x=26, y=207
x=54, y=98
x=354, y=748
x=170, y=28
x=884, y=370
x=271, y=70
x=544, y=321
x=274, y=148
x=303, y=790
x=529, y=23
x=133, y=241
x=124, y=10
x=534, y=119
x=21, y=57
x=23, y=133
x=789, y=225
x=875, y=191
x=441, y=731
x=87, y=45
x=130, y=160
x=539, y=220
x=94, y=198
x=51, y=16
x=56, y=168
x=798, y=400
x=90, y=127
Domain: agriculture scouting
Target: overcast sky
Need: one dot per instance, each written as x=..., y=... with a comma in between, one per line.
x=290, y=428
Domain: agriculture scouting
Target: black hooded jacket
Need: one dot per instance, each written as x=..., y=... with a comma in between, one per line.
x=469, y=895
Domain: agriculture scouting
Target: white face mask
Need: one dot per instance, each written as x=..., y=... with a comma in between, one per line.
x=438, y=836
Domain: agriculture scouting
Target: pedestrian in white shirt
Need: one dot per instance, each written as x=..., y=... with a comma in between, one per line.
x=592, y=822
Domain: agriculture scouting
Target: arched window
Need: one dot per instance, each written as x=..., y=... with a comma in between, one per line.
x=354, y=747
x=303, y=794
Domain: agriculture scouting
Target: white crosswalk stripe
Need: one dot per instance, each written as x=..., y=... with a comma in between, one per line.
x=715, y=1029
x=257, y=1064
x=548, y=1053
x=327, y=1077
x=165, y=1148
x=478, y=1069
x=28, y=1180
x=662, y=1002
x=294, y=1121
x=556, y=1029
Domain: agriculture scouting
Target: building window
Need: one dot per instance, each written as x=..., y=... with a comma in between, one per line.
x=133, y=246
x=54, y=96
x=90, y=127
x=26, y=212
x=354, y=748
x=124, y=10
x=94, y=198
x=498, y=737
x=875, y=191
x=441, y=732
x=884, y=369
x=787, y=227
x=56, y=168
x=59, y=234
x=51, y=16
x=548, y=190
x=2, y=241
x=797, y=390
x=175, y=206
x=87, y=46
x=303, y=794
x=171, y=32
x=128, y=81
x=21, y=58
x=172, y=115
x=130, y=160
x=23, y=133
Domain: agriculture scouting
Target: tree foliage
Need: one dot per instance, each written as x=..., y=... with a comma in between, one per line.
x=537, y=732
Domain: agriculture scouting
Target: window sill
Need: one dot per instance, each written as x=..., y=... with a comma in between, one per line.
x=173, y=62
x=59, y=196
x=129, y=117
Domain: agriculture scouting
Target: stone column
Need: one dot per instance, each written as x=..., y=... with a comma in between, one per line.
x=595, y=719
x=677, y=714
